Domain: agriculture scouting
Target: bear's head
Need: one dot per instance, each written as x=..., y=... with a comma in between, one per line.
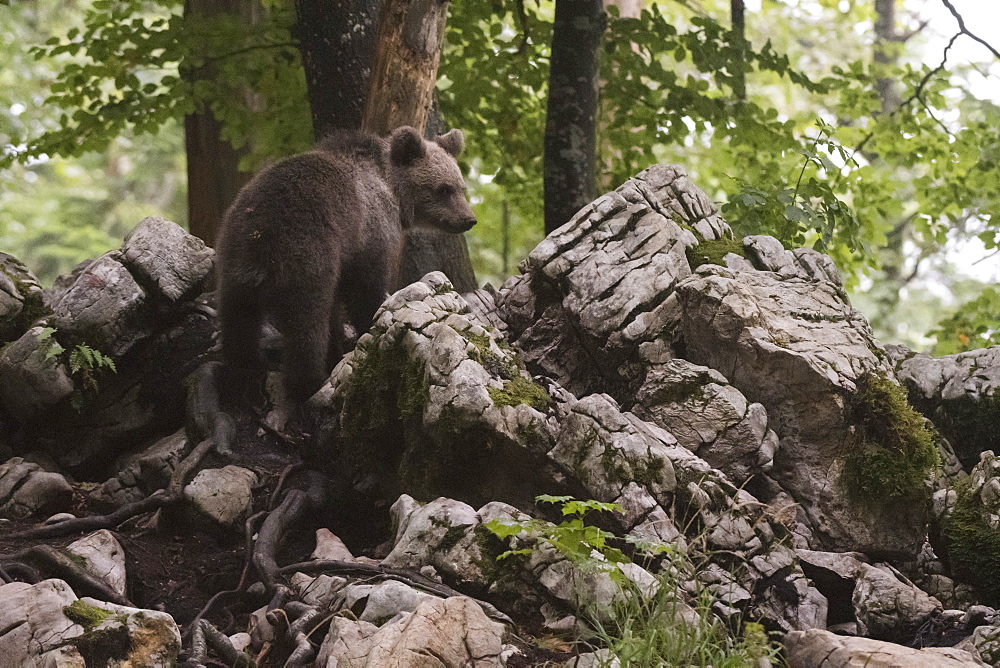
x=428, y=181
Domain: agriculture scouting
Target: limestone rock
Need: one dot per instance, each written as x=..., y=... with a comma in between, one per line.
x=223, y=495
x=103, y=556
x=817, y=648
x=153, y=637
x=440, y=632
x=644, y=293
x=26, y=489
x=163, y=256
x=105, y=307
x=884, y=604
x=144, y=472
x=476, y=428
x=440, y=534
x=959, y=393
x=32, y=619
x=329, y=546
x=21, y=298
x=33, y=379
x=380, y=603
x=709, y=417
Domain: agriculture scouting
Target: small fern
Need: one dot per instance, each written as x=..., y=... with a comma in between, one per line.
x=85, y=358
x=53, y=348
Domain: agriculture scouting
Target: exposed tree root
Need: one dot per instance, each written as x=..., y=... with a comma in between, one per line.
x=158, y=499
x=352, y=568
x=69, y=527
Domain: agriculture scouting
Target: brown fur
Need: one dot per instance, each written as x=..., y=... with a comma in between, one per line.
x=317, y=237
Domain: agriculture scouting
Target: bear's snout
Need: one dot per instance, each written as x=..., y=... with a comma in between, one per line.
x=468, y=223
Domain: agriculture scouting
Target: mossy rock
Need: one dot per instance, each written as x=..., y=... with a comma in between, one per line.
x=973, y=546
x=27, y=287
x=714, y=251
x=892, y=452
x=87, y=616
x=520, y=390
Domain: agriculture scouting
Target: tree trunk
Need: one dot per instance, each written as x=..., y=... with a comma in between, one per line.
x=401, y=89
x=570, y=124
x=213, y=174
x=894, y=275
x=886, y=53
x=401, y=92
x=738, y=14
x=337, y=41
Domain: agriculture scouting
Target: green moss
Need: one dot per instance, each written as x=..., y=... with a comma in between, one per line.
x=369, y=392
x=505, y=575
x=76, y=559
x=452, y=537
x=87, y=616
x=974, y=547
x=520, y=390
x=104, y=647
x=820, y=317
x=713, y=251
x=647, y=472
x=969, y=424
x=414, y=391
x=529, y=434
x=892, y=451
x=507, y=367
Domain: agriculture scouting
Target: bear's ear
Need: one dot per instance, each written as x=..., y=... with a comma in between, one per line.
x=452, y=141
x=405, y=146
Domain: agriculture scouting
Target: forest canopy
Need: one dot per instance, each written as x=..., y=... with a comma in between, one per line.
x=863, y=129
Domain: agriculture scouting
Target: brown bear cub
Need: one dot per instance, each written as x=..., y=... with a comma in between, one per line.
x=317, y=238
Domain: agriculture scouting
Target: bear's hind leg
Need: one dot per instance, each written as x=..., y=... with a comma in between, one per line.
x=240, y=320
x=305, y=326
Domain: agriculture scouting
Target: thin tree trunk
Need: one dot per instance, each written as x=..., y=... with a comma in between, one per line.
x=213, y=174
x=886, y=291
x=570, y=124
x=337, y=42
x=738, y=13
x=886, y=53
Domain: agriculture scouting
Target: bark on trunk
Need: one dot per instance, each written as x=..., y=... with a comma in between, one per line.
x=337, y=42
x=401, y=89
x=570, y=125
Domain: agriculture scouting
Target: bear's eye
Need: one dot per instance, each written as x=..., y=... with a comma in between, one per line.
x=445, y=190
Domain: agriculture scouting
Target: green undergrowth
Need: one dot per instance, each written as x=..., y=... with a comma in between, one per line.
x=973, y=546
x=665, y=627
x=86, y=365
x=714, y=251
x=892, y=452
x=650, y=631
